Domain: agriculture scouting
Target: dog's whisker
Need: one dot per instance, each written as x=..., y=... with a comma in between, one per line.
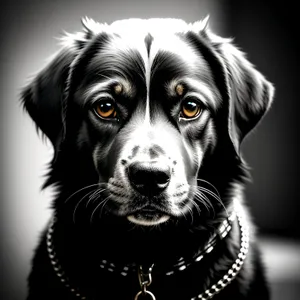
x=183, y=214
x=203, y=199
x=95, y=196
x=195, y=205
x=82, y=189
x=209, y=183
x=201, y=191
x=95, y=209
x=190, y=210
x=215, y=196
x=102, y=202
x=78, y=203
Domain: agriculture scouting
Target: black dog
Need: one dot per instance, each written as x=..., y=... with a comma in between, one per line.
x=146, y=118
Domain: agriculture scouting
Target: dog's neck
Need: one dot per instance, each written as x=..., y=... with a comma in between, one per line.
x=169, y=263
x=118, y=242
x=86, y=264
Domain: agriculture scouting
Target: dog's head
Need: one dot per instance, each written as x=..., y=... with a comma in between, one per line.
x=150, y=111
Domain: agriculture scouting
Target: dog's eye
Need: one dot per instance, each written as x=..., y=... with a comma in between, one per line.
x=106, y=109
x=190, y=109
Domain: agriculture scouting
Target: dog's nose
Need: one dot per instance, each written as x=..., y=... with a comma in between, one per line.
x=149, y=179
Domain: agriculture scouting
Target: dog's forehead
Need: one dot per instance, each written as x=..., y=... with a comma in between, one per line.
x=150, y=45
x=155, y=34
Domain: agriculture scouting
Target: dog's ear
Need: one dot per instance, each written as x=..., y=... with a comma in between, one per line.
x=250, y=93
x=43, y=97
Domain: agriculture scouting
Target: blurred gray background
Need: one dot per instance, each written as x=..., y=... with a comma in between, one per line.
x=265, y=30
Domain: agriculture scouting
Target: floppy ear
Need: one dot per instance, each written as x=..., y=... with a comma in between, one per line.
x=43, y=97
x=250, y=93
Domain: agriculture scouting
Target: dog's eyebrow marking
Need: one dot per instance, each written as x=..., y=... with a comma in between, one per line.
x=179, y=89
x=208, y=95
x=117, y=86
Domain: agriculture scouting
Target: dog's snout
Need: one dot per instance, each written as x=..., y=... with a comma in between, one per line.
x=149, y=179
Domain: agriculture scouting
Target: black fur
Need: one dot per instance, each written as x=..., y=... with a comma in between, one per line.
x=90, y=150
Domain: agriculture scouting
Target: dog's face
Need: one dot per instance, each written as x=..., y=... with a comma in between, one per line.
x=151, y=99
x=148, y=103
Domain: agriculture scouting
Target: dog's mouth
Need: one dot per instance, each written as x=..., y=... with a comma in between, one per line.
x=148, y=216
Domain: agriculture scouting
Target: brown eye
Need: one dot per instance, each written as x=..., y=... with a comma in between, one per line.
x=106, y=109
x=190, y=109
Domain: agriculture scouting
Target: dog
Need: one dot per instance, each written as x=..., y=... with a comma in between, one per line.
x=146, y=118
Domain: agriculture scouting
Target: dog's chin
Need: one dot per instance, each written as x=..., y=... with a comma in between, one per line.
x=146, y=219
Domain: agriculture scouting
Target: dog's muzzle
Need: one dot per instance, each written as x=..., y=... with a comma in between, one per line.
x=149, y=179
